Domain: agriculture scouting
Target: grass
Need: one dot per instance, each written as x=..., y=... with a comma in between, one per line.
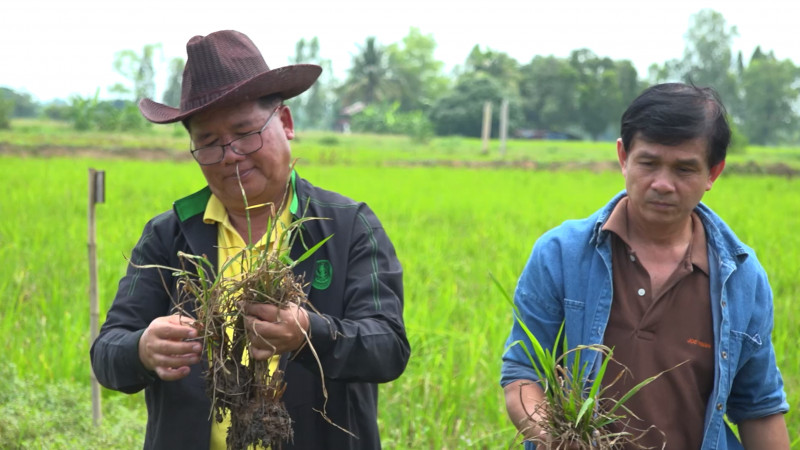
x=59, y=415
x=451, y=227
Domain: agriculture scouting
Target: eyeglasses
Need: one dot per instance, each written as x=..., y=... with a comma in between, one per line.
x=245, y=145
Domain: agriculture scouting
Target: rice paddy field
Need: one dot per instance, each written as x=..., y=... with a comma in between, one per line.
x=452, y=226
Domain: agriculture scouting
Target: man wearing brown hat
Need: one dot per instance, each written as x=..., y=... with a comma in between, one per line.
x=231, y=105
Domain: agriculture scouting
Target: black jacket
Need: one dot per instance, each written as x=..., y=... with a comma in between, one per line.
x=359, y=333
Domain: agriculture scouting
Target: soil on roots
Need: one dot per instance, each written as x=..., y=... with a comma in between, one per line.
x=241, y=387
x=266, y=423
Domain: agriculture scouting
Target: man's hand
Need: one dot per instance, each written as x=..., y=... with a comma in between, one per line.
x=274, y=330
x=525, y=403
x=162, y=347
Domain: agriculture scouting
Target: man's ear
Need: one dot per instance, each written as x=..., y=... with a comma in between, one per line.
x=622, y=156
x=287, y=122
x=713, y=173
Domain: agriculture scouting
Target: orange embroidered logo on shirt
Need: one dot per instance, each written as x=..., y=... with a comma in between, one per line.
x=698, y=343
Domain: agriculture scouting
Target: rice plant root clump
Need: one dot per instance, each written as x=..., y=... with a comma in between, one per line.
x=244, y=388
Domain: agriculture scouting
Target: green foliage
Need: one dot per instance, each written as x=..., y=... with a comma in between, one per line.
x=81, y=111
x=172, y=94
x=387, y=119
x=761, y=96
x=739, y=141
x=314, y=109
x=139, y=70
x=496, y=65
x=93, y=114
x=461, y=111
x=771, y=90
x=24, y=104
x=600, y=95
x=57, y=110
x=418, y=73
x=708, y=56
x=548, y=89
x=368, y=79
x=6, y=110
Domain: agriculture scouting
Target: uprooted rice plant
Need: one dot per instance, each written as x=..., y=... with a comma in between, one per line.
x=577, y=413
x=243, y=387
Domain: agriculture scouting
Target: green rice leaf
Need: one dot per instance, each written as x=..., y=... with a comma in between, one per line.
x=311, y=251
x=586, y=406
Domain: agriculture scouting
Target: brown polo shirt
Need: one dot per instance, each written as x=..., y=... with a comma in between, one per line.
x=654, y=331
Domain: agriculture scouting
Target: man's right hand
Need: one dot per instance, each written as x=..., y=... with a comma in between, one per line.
x=525, y=404
x=162, y=347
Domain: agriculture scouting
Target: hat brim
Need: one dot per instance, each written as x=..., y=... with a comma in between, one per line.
x=287, y=81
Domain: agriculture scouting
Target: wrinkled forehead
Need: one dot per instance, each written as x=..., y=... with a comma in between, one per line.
x=241, y=112
x=698, y=146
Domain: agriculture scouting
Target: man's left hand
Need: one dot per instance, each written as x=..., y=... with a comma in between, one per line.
x=273, y=330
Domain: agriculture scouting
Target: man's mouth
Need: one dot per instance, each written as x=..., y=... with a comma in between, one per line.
x=661, y=204
x=241, y=173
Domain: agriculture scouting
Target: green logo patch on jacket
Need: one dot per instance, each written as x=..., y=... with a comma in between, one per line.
x=323, y=274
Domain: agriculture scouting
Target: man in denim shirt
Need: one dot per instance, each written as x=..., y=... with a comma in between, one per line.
x=663, y=280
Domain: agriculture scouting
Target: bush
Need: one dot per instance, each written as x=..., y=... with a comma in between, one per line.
x=57, y=110
x=386, y=119
x=6, y=110
x=81, y=112
x=116, y=115
x=739, y=141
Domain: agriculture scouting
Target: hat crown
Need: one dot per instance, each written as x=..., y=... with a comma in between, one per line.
x=217, y=63
x=224, y=68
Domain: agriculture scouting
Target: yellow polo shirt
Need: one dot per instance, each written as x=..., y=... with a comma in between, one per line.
x=230, y=244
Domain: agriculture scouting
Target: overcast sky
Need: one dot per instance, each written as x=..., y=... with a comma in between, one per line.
x=56, y=48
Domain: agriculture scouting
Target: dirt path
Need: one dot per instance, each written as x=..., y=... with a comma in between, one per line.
x=751, y=168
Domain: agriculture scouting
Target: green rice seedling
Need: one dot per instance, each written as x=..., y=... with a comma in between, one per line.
x=575, y=413
x=242, y=386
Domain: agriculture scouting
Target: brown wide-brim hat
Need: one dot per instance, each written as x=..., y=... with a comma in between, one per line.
x=223, y=68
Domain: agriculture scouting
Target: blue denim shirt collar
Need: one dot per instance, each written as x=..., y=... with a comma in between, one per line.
x=721, y=237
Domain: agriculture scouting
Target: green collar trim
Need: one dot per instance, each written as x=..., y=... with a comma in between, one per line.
x=294, y=205
x=193, y=204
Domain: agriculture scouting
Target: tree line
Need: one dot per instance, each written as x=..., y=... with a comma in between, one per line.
x=401, y=88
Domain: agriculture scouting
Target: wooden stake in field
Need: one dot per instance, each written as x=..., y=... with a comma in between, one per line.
x=503, y=126
x=96, y=195
x=486, y=131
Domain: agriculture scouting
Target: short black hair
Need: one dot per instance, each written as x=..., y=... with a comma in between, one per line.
x=673, y=113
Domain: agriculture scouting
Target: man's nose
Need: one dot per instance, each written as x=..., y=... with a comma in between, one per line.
x=663, y=181
x=229, y=156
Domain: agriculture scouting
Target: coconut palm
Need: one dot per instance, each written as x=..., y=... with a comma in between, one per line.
x=369, y=78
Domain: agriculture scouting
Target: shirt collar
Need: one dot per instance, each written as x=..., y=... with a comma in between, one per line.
x=697, y=252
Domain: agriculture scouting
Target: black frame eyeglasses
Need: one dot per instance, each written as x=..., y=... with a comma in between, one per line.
x=244, y=145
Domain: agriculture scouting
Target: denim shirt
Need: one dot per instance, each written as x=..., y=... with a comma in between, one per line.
x=568, y=279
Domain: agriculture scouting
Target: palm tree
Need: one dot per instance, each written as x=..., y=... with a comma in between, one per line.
x=369, y=77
